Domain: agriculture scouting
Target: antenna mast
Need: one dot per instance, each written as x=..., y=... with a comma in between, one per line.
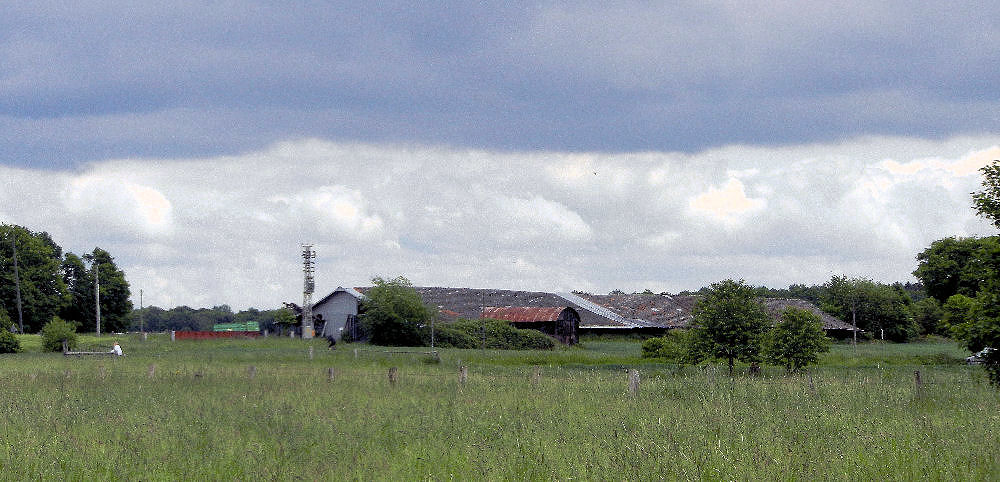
x=309, y=285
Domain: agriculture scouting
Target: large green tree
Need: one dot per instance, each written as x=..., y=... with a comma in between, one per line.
x=41, y=286
x=796, y=340
x=976, y=320
x=987, y=201
x=78, y=305
x=881, y=310
x=393, y=313
x=729, y=323
x=956, y=266
x=115, y=294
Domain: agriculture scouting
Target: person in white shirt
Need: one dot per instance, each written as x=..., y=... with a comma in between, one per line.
x=117, y=350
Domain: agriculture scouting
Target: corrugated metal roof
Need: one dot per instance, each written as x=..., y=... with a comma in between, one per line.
x=524, y=314
x=777, y=305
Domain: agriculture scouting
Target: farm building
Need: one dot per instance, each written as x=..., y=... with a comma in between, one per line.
x=620, y=313
x=336, y=310
x=833, y=327
x=561, y=323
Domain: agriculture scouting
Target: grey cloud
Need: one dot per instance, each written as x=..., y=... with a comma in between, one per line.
x=97, y=80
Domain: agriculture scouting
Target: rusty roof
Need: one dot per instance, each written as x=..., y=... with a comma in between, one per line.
x=524, y=314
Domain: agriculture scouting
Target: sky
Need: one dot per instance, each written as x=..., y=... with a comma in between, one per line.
x=527, y=145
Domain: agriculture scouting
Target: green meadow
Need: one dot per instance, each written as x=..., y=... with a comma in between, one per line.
x=265, y=409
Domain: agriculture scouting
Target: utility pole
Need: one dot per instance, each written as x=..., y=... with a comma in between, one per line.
x=17, y=284
x=97, y=296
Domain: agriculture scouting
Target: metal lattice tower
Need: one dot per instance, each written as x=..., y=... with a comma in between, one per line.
x=309, y=285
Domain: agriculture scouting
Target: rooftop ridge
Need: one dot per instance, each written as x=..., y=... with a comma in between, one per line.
x=597, y=309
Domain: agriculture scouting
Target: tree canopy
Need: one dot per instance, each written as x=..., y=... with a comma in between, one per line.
x=966, y=272
x=880, y=309
x=53, y=283
x=796, y=340
x=41, y=286
x=729, y=322
x=957, y=266
x=393, y=313
x=987, y=201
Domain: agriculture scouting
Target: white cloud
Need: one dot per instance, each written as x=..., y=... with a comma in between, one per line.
x=534, y=219
x=333, y=211
x=116, y=202
x=227, y=230
x=728, y=203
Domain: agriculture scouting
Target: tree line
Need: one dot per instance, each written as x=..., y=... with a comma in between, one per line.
x=153, y=318
x=51, y=283
x=730, y=323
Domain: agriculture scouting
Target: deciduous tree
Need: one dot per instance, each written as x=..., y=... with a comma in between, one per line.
x=393, y=313
x=729, y=322
x=115, y=293
x=41, y=286
x=956, y=266
x=796, y=340
x=987, y=201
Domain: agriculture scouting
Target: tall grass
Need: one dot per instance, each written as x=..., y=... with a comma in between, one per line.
x=201, y=416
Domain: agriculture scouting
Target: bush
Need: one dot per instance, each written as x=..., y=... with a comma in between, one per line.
x=8, y=342
x=500, y=335
x=393, y=313
x=797, y=340
x=448, y=336
x=672, y=346
x=55, y=331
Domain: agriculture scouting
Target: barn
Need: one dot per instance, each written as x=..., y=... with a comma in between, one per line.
x=561, y=323
x=598, y=314
x=337, y=309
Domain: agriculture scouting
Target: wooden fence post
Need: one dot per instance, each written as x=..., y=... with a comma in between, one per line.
x=103, y=372
x=152, y=371
x=463, y=374
x=918, y=383
x=252, y=372
x=330, y=374
x=633, y=381
x=393, y=375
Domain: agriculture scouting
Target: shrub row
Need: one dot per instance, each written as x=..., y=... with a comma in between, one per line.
x=500, y=335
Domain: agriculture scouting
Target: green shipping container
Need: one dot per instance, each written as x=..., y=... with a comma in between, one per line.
x=248, y=326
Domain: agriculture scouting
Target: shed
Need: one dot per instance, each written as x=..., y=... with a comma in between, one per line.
x=561, y=323
x=337, y=309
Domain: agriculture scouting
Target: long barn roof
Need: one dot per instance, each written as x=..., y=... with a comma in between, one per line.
x=622, y=311
x=525, y=314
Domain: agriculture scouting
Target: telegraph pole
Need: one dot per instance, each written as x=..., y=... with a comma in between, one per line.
x=17, y=284
x=97, y=297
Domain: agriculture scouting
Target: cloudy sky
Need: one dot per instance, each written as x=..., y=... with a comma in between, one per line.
x=535, y=145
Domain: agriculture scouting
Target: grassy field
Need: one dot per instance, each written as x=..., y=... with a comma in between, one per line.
x=193, y=410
